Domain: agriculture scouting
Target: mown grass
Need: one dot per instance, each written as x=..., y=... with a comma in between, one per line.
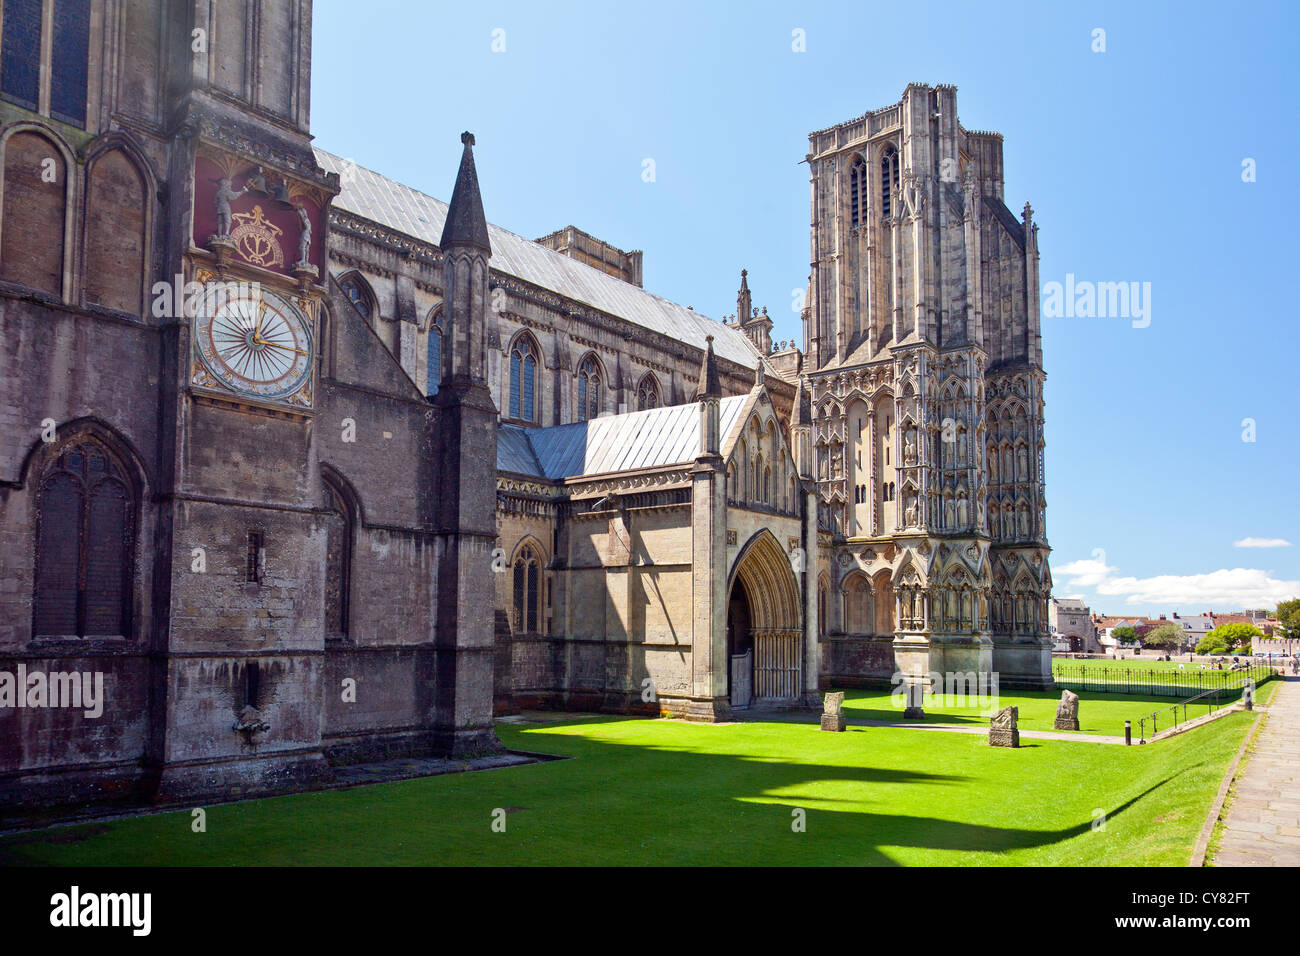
x=1099, y=713
x=658, y=792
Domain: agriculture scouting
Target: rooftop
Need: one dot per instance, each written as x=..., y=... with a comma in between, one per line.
x=399, y=207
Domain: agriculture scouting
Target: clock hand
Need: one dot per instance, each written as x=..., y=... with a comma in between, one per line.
x=278, y=345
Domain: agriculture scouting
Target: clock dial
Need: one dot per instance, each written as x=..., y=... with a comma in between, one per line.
x=253, y=341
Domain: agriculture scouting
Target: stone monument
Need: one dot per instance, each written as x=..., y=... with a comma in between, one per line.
x=1067, y=712
x=1003, y=729
x=832, y=713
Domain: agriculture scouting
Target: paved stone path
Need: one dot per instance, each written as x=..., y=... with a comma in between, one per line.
x=1262, y=827
x=946, y=728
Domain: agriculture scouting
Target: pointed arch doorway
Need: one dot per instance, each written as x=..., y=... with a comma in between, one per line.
x=764, y=633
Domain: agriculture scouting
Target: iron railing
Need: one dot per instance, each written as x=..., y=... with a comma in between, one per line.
x=1158, y=682
x=1212, y=698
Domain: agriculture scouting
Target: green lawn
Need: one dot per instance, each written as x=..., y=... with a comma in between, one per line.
x=654, y=792
x=1099, y=713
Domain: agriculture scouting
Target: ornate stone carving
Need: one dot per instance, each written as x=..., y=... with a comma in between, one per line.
x=1067, y=712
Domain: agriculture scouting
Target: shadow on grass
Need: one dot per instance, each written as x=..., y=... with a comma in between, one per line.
x=693, y=797
x=756, y=781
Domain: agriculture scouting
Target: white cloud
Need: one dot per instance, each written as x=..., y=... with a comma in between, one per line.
x=1236, y=587
x=1262, y=543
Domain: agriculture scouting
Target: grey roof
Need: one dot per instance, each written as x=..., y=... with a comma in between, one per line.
x=372, y=196
x=652, y=439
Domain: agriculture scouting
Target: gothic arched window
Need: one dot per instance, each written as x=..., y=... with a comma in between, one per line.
x=527, y=590
x=358, y=292
x=62, y=73
x=888, y=180
x=588, y=389
x=523, y=379
x=339, y=524
x=858, y=191
x=85, y=544
x=647, y=393
x=434, y=372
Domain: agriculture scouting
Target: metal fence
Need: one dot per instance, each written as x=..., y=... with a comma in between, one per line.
x=1159, y=682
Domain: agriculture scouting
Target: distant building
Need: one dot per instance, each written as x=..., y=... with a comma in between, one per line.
x=1070, y=623
x=1194, y=628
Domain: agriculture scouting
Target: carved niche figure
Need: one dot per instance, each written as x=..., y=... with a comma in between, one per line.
x=1023, y=514
x=963, y=512
x=304, y=238
x=949, y=513
x=222, y=200
x=993, y=467
x=909, y=447
x=909, y=511
x=1022, y=464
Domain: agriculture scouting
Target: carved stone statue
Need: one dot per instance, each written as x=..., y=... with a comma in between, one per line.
x=222, y=200
x=909, y=512
x=1023, y=515
x=1067, y=712
x=304, y=237
x=963, y=513
x=1022, y=464
x=909, y=447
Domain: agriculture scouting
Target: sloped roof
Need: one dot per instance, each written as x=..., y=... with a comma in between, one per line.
x=656, y=438
x=372, y=196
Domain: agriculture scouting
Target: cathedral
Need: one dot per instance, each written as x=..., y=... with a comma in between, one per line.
x=305, y=467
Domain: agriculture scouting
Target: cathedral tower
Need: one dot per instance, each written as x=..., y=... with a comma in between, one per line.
x=924, y=353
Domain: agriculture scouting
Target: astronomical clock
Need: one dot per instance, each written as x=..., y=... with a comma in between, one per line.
x=254, y=342
x=257, y=255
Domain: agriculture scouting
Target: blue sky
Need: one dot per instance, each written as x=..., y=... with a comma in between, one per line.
x=1131, y=158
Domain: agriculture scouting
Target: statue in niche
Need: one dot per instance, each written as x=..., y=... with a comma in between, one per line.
x=909, y=447
x=1023, y=514
x=993, y=467
x=963, y=512
x=909, y=511
x=949, y=514
x=304, y=237
x=1022, y=464
x=1008, y=466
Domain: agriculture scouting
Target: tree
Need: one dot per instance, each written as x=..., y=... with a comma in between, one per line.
x=1125, y=634
x=1143, y=630
x=1211, y=645
x=1169, y=636
x=1288, y=615
x=1230, y=637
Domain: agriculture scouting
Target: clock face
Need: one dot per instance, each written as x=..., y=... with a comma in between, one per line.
x=253, y=341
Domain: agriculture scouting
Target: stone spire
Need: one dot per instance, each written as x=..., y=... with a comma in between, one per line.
x=466, y=225
x=801, y=413
x=710, y=384
x=465, y=255
x=744, y=305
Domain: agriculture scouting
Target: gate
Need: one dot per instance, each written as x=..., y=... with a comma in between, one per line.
x=742, y=678
x=778, y=664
